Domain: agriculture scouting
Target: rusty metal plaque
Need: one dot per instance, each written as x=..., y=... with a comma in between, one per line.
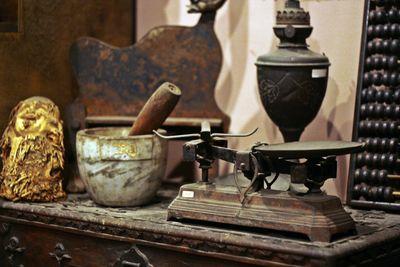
x=118, y=81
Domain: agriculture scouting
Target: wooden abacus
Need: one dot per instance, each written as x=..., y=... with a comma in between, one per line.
x=374, y=176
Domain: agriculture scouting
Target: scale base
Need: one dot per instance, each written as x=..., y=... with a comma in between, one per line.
x=317, y=216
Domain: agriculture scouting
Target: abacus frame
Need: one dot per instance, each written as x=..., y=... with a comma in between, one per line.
x=350, y=200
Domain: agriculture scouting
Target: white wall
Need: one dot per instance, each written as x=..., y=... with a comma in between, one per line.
x=244, y=28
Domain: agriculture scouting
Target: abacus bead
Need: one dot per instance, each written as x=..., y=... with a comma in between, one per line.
x=382, y=127
x=390, y=161
x=394, y=30
x=363, y=111
x=370, y=47
x=365, y=174
x=396, y=96
x=364, y=95
x=395, y=111
x=371, y=95
x=378, y=159
x=367, y=142
x=392, y=16
x=379, y=96
x=384, y=144
x=379, y=30
x=390, y=145
x=376, y=78
x=372, y=16
x=394, y=46
x=386, y=31
x=371, y=31
x=374, y=144
x=384, y=62
x=360, y=159
x=361, y=127
x=370, y=126
x=393, y=144
x=357, y=176
x=381, y=16
x=364, y=190
x=388, y=194
x=392, y=79
x=387, y=96
x=368, y=63
x=381, y=176
x=373, y=193
x=373, y=175
x=386, y=79
x=356, y=191
x=384, y=46
x=377, y=63
x=393, y=128
x=370, y=110
x=367, y=79
x=370, y=160
x=392, y=62
x=388, y=111
x=380, y=192
x=384, y=160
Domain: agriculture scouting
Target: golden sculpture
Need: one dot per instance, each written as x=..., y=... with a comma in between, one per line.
x=32, y=152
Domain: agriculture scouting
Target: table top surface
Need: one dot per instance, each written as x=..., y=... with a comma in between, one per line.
x=78, y=211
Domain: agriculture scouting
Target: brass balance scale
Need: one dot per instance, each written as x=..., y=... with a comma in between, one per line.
x=290, y=78
x=315, y=214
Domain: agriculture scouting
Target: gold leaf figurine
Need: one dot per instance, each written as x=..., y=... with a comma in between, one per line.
x=32, y=152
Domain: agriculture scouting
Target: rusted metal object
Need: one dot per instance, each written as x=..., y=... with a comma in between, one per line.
x=118, y=81
x=313, y=214
x=156, y=110
x=120, y=170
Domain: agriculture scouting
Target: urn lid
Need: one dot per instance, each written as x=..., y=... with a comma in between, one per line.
x=293, y=28
x=293, y=57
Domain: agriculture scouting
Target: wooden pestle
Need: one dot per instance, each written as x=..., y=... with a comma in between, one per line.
x=156, y=109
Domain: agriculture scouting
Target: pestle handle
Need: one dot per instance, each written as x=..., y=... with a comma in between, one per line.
x=156, y=110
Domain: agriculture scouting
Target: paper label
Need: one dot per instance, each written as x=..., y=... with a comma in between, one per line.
x=318, y=73
x=188, y=194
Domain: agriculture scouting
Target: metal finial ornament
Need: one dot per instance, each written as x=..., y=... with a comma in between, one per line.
x=292, y=80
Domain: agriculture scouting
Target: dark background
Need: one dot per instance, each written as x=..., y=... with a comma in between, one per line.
x=35, y=36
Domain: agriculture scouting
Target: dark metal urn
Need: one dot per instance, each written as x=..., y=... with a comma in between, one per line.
x=292, y=80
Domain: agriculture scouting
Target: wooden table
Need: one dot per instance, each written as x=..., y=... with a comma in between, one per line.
x=78, y=232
